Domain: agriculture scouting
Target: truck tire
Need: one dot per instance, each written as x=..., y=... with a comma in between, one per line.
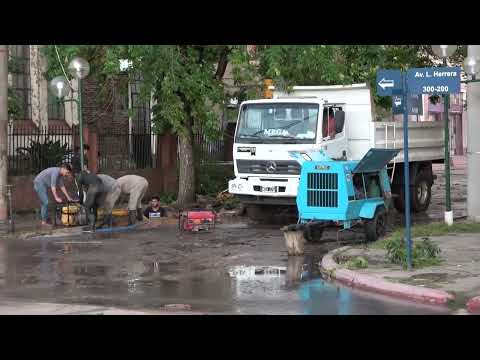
x=420, y=194
x=375, y=228
x=313, y=233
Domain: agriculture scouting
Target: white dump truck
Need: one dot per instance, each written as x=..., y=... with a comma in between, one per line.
x=338, y=119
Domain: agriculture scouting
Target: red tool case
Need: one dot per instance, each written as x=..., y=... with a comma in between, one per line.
x=196, y=220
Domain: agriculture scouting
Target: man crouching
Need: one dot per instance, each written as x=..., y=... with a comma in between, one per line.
x=136, y=186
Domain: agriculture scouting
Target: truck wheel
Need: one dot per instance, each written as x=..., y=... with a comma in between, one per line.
x=375, y=228
x=422, y=192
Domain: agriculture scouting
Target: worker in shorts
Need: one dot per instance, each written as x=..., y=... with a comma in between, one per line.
x=109, y=198
x=95, y=190
x=136, y=186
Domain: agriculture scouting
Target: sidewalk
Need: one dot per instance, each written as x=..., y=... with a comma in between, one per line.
x=37, y=308
x=456, y=282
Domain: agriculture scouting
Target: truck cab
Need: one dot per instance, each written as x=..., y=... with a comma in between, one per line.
x=267, y=131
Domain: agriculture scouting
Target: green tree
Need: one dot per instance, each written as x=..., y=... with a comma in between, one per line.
x=185, y=81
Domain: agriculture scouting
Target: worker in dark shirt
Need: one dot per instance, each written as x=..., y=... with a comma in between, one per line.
x=95, y=190
x=76, y=163
x=154, y=210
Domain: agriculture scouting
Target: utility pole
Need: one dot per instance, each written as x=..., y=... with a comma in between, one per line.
x=3, y=133
x=473, y=144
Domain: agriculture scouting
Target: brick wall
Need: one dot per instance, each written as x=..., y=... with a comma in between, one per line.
x=24, y=197
x=100, y=112
x=103, y=111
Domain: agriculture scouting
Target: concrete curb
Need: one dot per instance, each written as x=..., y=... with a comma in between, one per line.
x=379, y=285
x=473, y=305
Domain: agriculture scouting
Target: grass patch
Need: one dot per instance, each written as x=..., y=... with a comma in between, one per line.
x=425, y=231
x=424, y=252
x=352, y=263
x=358, y=262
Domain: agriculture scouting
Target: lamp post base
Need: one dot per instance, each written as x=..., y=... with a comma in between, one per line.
x=449, y=218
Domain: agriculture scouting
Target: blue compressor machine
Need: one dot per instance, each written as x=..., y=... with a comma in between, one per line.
x=343, y=193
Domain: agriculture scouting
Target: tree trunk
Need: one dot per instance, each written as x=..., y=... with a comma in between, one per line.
x=222, y=63
x=186, y=181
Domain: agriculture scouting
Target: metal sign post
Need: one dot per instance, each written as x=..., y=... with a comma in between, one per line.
x=406, y=173
x=394, y=83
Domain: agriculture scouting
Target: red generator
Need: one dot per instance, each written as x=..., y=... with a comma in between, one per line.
x=196, y=220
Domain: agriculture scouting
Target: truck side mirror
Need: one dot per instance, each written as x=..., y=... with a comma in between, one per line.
x=339, y=121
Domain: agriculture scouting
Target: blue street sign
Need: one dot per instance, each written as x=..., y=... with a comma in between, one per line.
x=397, y=104
x=414, y=104
x=389, y=82
x=441, y=80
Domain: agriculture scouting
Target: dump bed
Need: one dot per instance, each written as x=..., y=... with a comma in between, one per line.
x=426, y=138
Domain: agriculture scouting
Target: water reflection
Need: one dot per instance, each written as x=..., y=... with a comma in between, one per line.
x=320, y=297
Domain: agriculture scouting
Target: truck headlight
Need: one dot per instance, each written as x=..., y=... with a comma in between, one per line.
x=240, y=187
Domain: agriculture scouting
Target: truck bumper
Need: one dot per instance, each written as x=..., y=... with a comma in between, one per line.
x=254, y=191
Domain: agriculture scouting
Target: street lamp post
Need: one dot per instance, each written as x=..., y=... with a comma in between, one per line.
x=445, y=51
x=79, y=68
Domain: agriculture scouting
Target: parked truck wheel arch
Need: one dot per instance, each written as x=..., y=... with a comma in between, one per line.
x=421, y=181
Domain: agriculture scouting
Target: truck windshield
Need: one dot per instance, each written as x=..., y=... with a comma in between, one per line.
x=278, y=123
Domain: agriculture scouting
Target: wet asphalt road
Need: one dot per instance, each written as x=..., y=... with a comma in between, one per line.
x=238, y=269
x=210, y=272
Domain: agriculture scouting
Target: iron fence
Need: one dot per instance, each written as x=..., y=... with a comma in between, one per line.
x=209, y=151
x=124, y=149
x=31, y=149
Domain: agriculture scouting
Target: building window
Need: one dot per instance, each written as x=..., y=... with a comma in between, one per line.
x=19, y=69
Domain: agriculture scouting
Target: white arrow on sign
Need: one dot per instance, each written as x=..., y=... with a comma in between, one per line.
x=398, y=101
x=386, y=83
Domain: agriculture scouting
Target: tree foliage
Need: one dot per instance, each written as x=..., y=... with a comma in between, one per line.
x=290, y=65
